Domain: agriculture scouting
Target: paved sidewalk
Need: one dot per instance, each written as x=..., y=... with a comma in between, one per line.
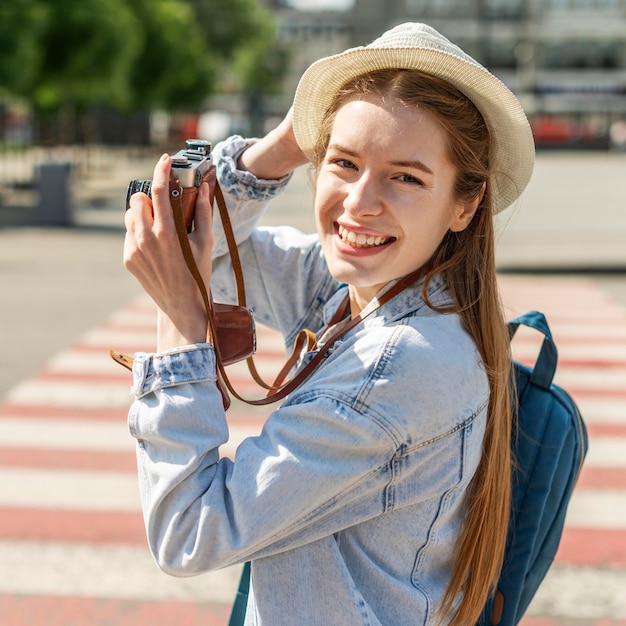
x=571, y=216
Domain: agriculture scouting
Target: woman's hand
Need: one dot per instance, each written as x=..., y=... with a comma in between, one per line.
x=276, y=155
x=153, y=255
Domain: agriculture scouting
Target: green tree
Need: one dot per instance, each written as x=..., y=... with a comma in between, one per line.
x=89, y=47
x=241, y=34
x=21, y=25
x=229, y=25
x=67, y=57
x=174, y=69
x=261, y=68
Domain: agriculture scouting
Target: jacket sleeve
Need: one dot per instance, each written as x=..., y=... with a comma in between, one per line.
x=325, y=460
x=286, y=487
x=286, y=277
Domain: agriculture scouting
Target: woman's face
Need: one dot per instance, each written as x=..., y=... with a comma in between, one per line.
x=384, y=196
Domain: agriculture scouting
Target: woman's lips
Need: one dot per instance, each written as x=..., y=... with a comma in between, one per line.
x=361, y=240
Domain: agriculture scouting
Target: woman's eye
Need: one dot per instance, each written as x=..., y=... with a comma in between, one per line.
x=407, y=178
x=344, y=163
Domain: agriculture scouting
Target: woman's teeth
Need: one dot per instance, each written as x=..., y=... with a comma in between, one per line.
x=359, y=240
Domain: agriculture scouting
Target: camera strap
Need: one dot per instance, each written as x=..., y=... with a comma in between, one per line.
x=306, y=340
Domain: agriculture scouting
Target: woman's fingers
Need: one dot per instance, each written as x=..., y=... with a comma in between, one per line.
x=152, y=253
x=143, y=212
x=203, y=215
x=161, y=193
x=138, y=216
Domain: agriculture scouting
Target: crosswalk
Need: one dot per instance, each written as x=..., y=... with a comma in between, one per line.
x=72, y=544
x=587, y=584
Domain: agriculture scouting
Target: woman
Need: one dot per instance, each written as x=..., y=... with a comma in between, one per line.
x=378, y=491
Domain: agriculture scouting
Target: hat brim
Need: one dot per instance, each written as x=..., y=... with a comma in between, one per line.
x=513, y=148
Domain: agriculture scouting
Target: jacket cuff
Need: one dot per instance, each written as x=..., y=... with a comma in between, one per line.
x=188, y=364
x=242, y=184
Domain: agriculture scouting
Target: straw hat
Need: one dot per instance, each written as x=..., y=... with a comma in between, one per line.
x=420, y=47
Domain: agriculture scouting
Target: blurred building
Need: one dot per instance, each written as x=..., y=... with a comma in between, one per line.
x=565, y=59
x=312, y=33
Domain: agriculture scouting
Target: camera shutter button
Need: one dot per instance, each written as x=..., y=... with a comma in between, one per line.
x=180, y=161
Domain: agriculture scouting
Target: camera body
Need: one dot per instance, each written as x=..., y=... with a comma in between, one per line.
x=191, y=167
x=191, y=164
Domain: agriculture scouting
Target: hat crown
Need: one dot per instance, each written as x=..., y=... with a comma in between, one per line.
x=416, y=35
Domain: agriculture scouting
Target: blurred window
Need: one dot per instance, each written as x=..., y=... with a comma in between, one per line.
x=500, y=53
x=581, y=54
x=502, y=9
x=584, y=5
x=440, y=8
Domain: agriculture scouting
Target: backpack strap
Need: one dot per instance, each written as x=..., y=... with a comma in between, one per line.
x=238, y=614
x=545, y=367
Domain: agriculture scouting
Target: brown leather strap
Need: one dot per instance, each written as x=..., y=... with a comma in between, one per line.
x=305, y=342
x=181, y=230
x=239, y=280
x=232, y=245
x=306, y=339
x=313, y=364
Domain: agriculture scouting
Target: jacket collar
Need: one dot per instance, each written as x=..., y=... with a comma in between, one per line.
x=408, y=301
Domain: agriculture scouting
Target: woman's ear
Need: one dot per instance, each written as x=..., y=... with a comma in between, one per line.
x=465, y=211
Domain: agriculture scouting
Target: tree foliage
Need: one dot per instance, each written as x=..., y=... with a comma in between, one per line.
x=89, y=48
x=174, y=69
x=21, y=25
x=133, y=54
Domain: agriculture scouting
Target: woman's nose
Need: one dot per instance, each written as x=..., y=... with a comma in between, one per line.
x=363, y=197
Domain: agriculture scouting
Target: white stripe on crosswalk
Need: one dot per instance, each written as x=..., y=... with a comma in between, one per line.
x=605, y=331
x=564, y=331
x=83, y=362
x=70, y=569
x=69, y=489
x=597, y=509
x=112, y=337
x=71, y=394
x=595, y=352
x=599, y=410
x=607, y=452
x=50, y=434
x=582, y=595
x=613, y=379
x=59, y=434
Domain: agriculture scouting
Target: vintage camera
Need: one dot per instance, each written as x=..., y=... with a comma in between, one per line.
x=191, y=167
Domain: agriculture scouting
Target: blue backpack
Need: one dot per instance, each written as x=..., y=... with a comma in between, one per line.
x=549, y=446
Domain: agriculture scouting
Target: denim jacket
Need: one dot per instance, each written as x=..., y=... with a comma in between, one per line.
x=350, y=501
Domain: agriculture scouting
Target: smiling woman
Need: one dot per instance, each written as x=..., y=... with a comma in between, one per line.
x=393, y=184
x=378, y=491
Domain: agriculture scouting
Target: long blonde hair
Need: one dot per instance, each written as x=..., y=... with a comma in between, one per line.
x=466, y=261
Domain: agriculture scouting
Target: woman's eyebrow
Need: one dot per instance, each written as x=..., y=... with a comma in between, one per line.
x=413, y=163
x=339, y=148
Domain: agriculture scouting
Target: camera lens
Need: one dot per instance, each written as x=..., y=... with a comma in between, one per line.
x=136, y=186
